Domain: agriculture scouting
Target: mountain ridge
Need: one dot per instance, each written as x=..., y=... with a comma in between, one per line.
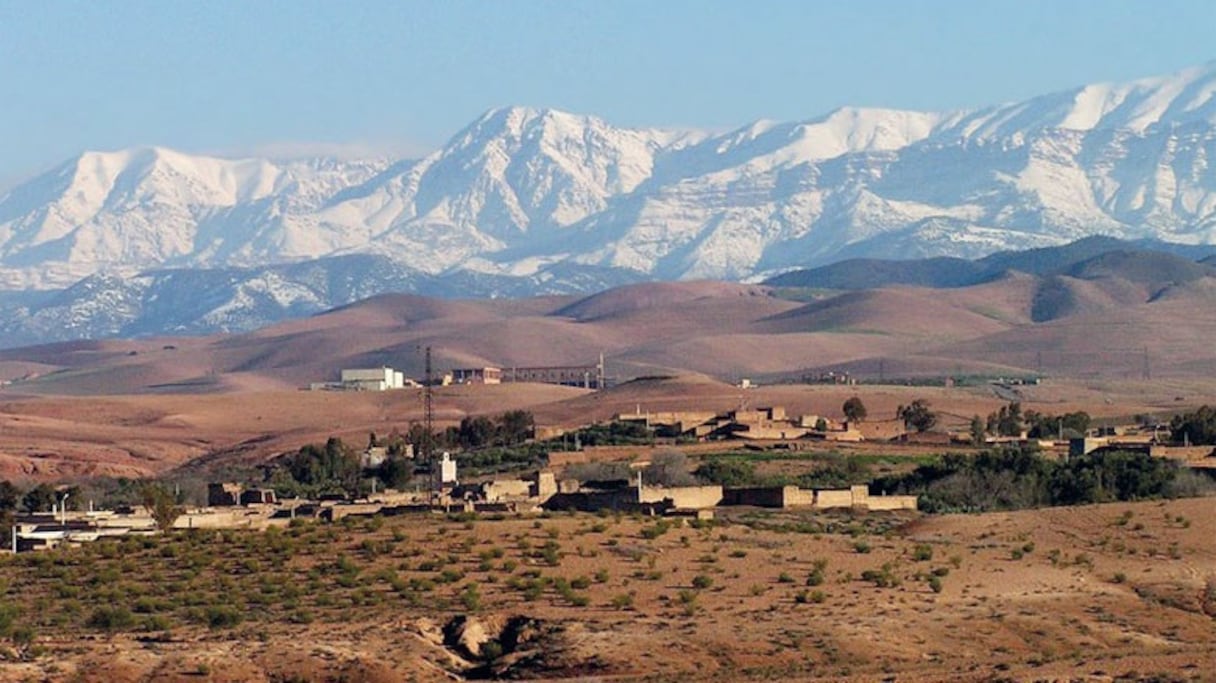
x=527, y=200
x=521, y=188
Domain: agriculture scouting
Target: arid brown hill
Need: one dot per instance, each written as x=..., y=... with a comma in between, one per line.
x=1101, y=318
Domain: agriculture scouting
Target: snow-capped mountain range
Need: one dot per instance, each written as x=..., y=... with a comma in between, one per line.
x=522, y=191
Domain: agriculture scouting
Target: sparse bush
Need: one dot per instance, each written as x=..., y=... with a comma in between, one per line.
x=623, y=601
x=471, y=598
x=491, y=651
x=882, y=578
x=223, y=616
x=108, y=618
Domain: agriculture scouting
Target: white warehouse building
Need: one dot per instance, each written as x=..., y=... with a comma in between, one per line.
x=372, y=379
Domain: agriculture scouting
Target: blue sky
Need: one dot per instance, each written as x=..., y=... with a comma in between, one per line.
x=248, y=77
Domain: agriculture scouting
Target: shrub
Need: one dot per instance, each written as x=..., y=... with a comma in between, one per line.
x=702, y=582
x=935, y=583
x=623, y=601
x=491, y=650
x=861, y=547
x=471, y=598
x=109, y=618
x=658, y=529
x=882, y=578
x=223, y=616
x=923, y=552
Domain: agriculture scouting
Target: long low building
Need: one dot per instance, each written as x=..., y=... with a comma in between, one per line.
x=583, y=376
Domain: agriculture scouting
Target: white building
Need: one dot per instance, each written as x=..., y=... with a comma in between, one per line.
x=372, y=379
x=447, y=469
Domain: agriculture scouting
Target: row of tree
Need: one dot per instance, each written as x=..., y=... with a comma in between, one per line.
x=163, y=504
x=334, y=468
x=511, y=428
x=1197, y=428
x=39, y=498
x=1010, y=420
x=1014, y=478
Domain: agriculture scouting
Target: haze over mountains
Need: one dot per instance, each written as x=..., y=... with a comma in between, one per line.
x=1118, y=314
x=529, y=201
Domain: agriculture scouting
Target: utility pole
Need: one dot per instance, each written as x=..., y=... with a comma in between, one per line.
x=1148, y=375
x=428, y=444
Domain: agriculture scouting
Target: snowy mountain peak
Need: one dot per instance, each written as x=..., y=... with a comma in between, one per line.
x=521, y=189
x=1183, y=98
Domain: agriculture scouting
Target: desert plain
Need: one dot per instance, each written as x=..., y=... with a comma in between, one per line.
x=1117, y=591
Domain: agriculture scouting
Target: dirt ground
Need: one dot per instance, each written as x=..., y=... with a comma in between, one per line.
x=47, y=438
x=1106, y=592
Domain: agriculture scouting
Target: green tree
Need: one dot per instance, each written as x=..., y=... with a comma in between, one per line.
x=331, y=468
x=854, y=409
x=516, y=426
x=161, y=505
x=1007, y=421
x=422, y=440
x=41, y=498
x=476, y=432
x=728, y=472
x=977, y=430
x=1046, y=425
x=1198, y=427
x=396, y=472
x=917, y=415
x=10, y=495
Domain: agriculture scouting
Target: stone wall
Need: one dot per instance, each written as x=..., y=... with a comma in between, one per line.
x=497, y=490
x=839, y=498
x=686, y=497
x=890, y=503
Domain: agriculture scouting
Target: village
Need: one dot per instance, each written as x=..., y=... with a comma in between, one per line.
x=547, y=489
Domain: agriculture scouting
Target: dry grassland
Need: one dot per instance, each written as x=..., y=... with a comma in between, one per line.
x=1091, y=593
